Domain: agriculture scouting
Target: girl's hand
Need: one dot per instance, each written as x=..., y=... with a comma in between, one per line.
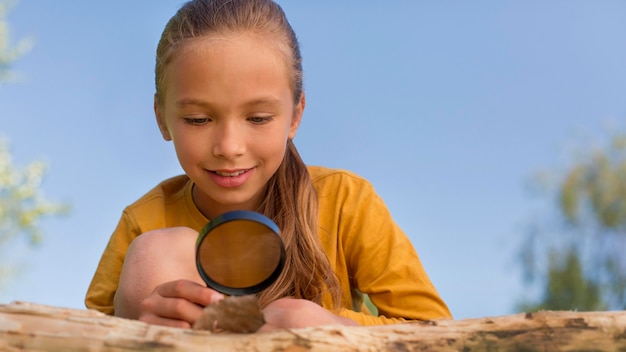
x=287, y=313
x=177, y=303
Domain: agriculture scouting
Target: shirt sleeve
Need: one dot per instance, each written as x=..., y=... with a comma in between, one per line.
x=101, y=292
x=384, y=264
x=369, y=319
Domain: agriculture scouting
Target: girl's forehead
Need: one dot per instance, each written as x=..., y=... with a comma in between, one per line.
x=237, y=65
x=231, y=56
x=228, y=51
x=255, y=44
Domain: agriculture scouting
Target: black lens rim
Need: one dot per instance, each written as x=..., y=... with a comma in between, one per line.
x=235, y=216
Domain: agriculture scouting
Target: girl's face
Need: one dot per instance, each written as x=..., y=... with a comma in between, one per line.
x=229, y=109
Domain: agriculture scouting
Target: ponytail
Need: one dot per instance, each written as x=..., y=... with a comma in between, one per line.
x=291, y=201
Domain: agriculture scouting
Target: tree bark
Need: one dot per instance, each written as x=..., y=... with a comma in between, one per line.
x=33, y=327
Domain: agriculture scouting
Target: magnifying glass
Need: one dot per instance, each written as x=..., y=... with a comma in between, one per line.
x=240, y=253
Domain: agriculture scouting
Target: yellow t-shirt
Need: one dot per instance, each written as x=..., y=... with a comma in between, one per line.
x=367, y=250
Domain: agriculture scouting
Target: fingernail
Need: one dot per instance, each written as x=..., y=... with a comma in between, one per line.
x=216, y=297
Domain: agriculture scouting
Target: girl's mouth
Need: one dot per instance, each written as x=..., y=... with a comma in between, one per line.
x=231, y=178
x=230, y=174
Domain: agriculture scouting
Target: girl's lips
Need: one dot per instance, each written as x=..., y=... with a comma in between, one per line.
x=231, y=178
x=230, y=173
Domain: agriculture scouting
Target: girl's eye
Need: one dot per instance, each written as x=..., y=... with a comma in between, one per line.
x=197, y=121
x=259, y=119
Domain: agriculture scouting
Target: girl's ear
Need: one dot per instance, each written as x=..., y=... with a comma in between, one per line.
x=297, y=116
x=161, y=120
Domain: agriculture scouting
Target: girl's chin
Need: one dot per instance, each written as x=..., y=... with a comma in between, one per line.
x=213, y=202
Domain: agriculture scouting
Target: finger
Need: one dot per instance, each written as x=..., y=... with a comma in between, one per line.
x=191, y=291
x=171, y=308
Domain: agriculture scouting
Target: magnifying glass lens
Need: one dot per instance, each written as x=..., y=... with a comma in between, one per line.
x=240, y=253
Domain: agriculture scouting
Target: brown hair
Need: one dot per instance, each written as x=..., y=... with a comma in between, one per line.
x=290, y=199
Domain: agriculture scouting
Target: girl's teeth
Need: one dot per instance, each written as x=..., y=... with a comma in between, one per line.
x=230, y=174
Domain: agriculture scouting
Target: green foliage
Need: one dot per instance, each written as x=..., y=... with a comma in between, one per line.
x=598, y=183
x=22, y=203
x=566, y=287
x=8, y=52
x=578, y=257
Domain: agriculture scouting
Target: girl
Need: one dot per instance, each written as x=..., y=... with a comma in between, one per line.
x=229, y=96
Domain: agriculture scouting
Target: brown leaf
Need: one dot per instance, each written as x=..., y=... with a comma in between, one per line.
x=240, y=314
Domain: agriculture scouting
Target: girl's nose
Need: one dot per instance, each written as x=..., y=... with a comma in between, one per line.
x=228, y=141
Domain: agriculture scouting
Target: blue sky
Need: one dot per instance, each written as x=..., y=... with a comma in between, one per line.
x=447, y=107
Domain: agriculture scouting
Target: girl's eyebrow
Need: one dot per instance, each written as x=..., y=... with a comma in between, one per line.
x=191, y=101
x=264, y=101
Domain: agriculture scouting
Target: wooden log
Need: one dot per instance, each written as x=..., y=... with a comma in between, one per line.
x=34, y=327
